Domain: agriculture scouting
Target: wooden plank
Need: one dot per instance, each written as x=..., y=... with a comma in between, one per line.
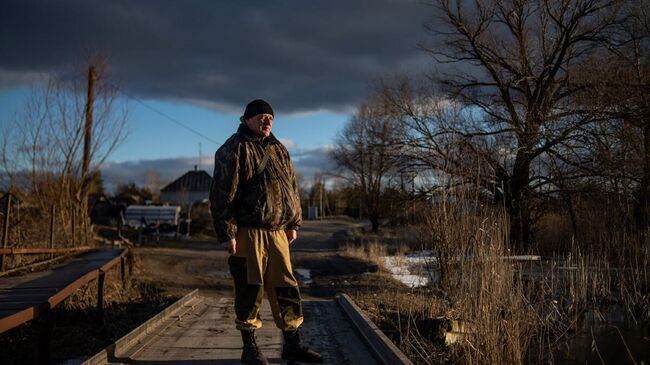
x=41, y=250
x=207, y=334
x=51, y=287
x=20, y=317
x=135, y=337
x=384, y=349
x=26, y=291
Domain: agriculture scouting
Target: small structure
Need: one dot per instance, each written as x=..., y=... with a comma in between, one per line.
x=312, y=213
x=15, y=201
x=192, y=187
x=145, y=215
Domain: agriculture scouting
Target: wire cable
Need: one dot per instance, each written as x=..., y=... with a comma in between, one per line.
x=170, y=118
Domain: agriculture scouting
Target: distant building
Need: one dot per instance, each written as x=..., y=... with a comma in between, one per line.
x=15, y=201
x=192, y=187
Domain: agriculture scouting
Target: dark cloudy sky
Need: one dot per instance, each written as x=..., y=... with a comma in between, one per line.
x=202, y=61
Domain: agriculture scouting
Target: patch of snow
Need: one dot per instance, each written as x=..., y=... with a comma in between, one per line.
x=413, y=270
x=524, y=258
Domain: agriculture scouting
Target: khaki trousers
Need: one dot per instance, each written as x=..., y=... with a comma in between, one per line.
x=262, y=262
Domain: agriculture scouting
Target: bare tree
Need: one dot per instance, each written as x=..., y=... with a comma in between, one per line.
x=367, y=153
x=514, y=82
x=619, y=93
x=43, y=150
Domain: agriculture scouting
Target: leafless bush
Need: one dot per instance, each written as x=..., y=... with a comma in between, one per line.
x=47, y=162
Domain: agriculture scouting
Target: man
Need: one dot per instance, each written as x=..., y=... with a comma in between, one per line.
x=256, y=212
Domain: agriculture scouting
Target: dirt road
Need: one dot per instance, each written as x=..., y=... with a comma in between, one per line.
x=180, y=266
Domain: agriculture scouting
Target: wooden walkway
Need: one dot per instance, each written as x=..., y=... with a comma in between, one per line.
x=25, y=297
x=202, y=331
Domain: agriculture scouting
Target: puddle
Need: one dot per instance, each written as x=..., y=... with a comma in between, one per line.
x=305, y=274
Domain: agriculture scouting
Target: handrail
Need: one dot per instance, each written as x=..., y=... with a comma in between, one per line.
x=27, y=314
x=41, y=250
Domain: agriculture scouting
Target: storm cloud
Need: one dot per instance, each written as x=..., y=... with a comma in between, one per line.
x=304, y=55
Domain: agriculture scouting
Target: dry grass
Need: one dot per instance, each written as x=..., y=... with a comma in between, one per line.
x=512, y=313
x=364, y=244
x=483, y=290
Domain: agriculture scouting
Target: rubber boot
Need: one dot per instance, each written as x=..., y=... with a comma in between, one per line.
x=251, y=355
x=294, y=351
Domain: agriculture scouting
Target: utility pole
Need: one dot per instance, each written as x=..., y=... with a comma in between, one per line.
x=88, y=128
x=321, y=200
x=200, y=153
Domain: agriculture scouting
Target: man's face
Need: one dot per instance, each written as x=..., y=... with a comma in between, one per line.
x=260, y=124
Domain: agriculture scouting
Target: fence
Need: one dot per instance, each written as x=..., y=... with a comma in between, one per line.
x=11, y=249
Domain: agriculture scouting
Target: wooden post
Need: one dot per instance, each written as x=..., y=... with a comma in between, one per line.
x=88, y=128
x=320, y=214
x=122, y=271
x=52, y=214
x=85, y=164
x=5, y=230
x=46, y=324
x=129, y=262
x=84, y=218
x=120, y=220
x=100, y=297
x=72, y=214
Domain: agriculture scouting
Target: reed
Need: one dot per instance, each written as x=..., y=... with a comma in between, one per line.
x=502, y=311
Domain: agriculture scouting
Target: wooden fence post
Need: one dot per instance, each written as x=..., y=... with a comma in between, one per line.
x=5, y=230
x=52, y=214
x=100, y=297
x=72, y=214
x=129, y=262
x=122, y=271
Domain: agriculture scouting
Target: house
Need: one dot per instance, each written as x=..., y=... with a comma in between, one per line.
x=192, y=187
x=15, y=201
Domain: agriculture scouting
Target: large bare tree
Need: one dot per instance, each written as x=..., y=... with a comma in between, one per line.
x=513, y=79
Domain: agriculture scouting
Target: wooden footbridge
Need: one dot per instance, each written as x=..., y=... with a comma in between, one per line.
x=33, y=296
x=26, y=297
x=196, y=329
x=200, y=330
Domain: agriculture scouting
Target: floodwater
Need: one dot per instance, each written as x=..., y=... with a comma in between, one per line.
x=606, y=335
x=603, y=336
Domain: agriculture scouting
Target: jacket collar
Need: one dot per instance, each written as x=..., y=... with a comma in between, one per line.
x=248, y=135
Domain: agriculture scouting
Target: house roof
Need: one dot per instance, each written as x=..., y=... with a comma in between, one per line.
x=195, y=180
x=14, y=200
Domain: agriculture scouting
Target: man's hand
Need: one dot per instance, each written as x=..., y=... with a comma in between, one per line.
x=292, y=234
x=231, y=246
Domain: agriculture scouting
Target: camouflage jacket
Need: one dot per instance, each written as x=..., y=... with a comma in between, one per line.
x=241, y=197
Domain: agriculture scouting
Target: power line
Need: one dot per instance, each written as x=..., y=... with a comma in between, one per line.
x=170, y=118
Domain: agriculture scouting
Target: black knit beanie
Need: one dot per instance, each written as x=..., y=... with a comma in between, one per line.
x=255, y=107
